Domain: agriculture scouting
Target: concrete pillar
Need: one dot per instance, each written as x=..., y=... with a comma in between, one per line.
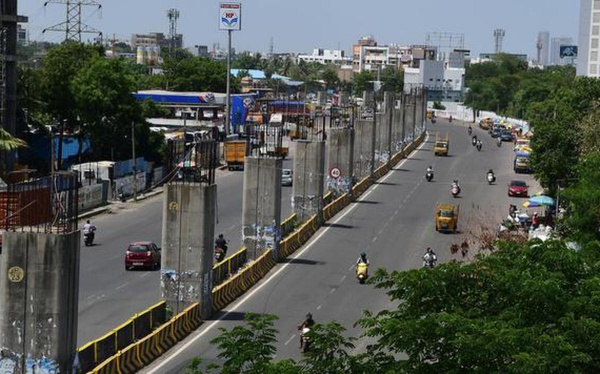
x=364, y=148
x=261, y=212
x=39, y=297
x=388, y=98
x=309, y=170
x=188, y=234
x=340, y=168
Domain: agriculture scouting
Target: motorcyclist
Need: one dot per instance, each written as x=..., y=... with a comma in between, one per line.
x=470, y=130
x=220, y=242
x=219, y=254
x=499, y=142
x=491, y=172
x=362, y=259
x=308, y=323
x=474, y=139
x=429, y=258
x=89, y=229
x=429, y=169
x=450, y=119
x=479, y=145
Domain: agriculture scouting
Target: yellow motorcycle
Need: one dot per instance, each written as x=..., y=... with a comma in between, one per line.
x=362, y=272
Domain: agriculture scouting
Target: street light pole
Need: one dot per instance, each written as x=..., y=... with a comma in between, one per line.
x=228, y=99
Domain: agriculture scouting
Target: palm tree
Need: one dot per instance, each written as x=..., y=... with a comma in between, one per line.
x=10, y=143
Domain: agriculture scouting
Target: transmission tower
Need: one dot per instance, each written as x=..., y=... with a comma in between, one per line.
x=173, y=15
x=538, y=46
x=72, y=26
x=498, y=39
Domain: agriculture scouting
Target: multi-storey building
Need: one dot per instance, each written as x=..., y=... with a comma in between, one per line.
x=555, y=45
x=367, y=55
x=326, y=56
x=588, y=59
x=153, y=39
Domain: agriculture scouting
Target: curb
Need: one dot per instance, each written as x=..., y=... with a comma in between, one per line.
x=106, y=208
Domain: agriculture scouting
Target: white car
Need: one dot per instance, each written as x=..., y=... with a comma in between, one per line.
x=287, y=177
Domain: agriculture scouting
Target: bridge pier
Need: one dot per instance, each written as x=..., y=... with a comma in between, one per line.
x=309, y=169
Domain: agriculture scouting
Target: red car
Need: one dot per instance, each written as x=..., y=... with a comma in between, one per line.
x=142, y=254
x=518, y=188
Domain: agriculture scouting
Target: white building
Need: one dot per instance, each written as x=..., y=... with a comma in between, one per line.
x=326, y=56
x=555, y=45
x=543, y=47
x=588, y=61
x=442, y=83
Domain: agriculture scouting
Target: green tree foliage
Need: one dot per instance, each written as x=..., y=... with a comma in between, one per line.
x=522, y=309
x=392, y=79
x=583, y=198
x=195, y=74
x=362, y=81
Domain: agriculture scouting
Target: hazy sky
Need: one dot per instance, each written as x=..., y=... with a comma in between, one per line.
x=301, y=25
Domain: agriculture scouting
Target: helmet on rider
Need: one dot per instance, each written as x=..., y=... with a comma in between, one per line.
x=429, y=250
x=363, y=256
x=490, y=171
x=308, y=316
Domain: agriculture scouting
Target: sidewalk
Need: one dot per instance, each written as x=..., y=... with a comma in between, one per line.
x=112, y=203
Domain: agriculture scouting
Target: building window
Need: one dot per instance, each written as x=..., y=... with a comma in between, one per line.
x=595, y=43
x=596, y=5
x=596, y=18
x=594, y=56
x=593, y=69
x=595, y=30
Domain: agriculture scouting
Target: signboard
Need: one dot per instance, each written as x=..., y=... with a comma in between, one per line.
x=230, y=16
x=335, y=173
x=568, y=51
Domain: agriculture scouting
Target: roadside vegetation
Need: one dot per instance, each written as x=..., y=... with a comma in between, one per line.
x=516, y=307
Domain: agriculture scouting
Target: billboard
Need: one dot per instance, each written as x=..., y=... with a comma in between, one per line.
x=230, y=16
x=568, y=51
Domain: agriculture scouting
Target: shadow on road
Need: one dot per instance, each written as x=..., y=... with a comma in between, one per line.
x=386, y=183
x=367, y=202
x=338, y=225
x=301, y=261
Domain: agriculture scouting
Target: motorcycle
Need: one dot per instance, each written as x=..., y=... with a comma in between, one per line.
x=478, y=146
x=450, y=119
x=88, y=239
x=474, y=140
x=305, y=339
x=499, y=142
x=362, y=272
x=491, y=178
x=470, y=131
x=429, y=261
x=433, y=120
x=455, y=190
x=429, y=176
x=219, y=255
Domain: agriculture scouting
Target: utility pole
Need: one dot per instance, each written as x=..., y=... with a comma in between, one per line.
x=228, y=100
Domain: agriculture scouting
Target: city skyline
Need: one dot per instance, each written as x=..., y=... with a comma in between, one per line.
x=336, y=24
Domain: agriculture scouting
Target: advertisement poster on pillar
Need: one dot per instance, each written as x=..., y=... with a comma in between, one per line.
x=230, y=16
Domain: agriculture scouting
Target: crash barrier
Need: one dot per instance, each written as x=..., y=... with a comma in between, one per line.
x=231, y=289
x=147, y=349
x=335, y=207
x=137, y=327
x=230, y=265
x=222, y=270
x=142, y=352
x=288, y=224
x=327, y=198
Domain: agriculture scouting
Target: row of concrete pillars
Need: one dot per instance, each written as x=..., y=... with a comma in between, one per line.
x=39, y=272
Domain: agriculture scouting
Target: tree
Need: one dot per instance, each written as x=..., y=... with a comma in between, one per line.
x=392, y=79
x=519, y=309
x=195, y=74
x=362, y=81
x=583, y=201
x=330, y=77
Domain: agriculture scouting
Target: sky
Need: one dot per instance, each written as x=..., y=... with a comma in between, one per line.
x=302, y=25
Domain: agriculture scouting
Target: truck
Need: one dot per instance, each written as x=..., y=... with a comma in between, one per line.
x=446, y=217
x=441, y=145
x=235, y=152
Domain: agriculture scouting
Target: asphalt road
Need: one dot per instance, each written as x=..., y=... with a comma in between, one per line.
x=109, y=295
x=392, y=222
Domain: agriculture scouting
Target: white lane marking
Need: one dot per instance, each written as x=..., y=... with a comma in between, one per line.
x=380, y=232
x=115, y=256
x=268, y=280
x=290, y=339
x=343, y=278
x=351, y=267
x=374, y=240
x=121, y=286
x=332, y=290
x=144, y=275
x=319, y=307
